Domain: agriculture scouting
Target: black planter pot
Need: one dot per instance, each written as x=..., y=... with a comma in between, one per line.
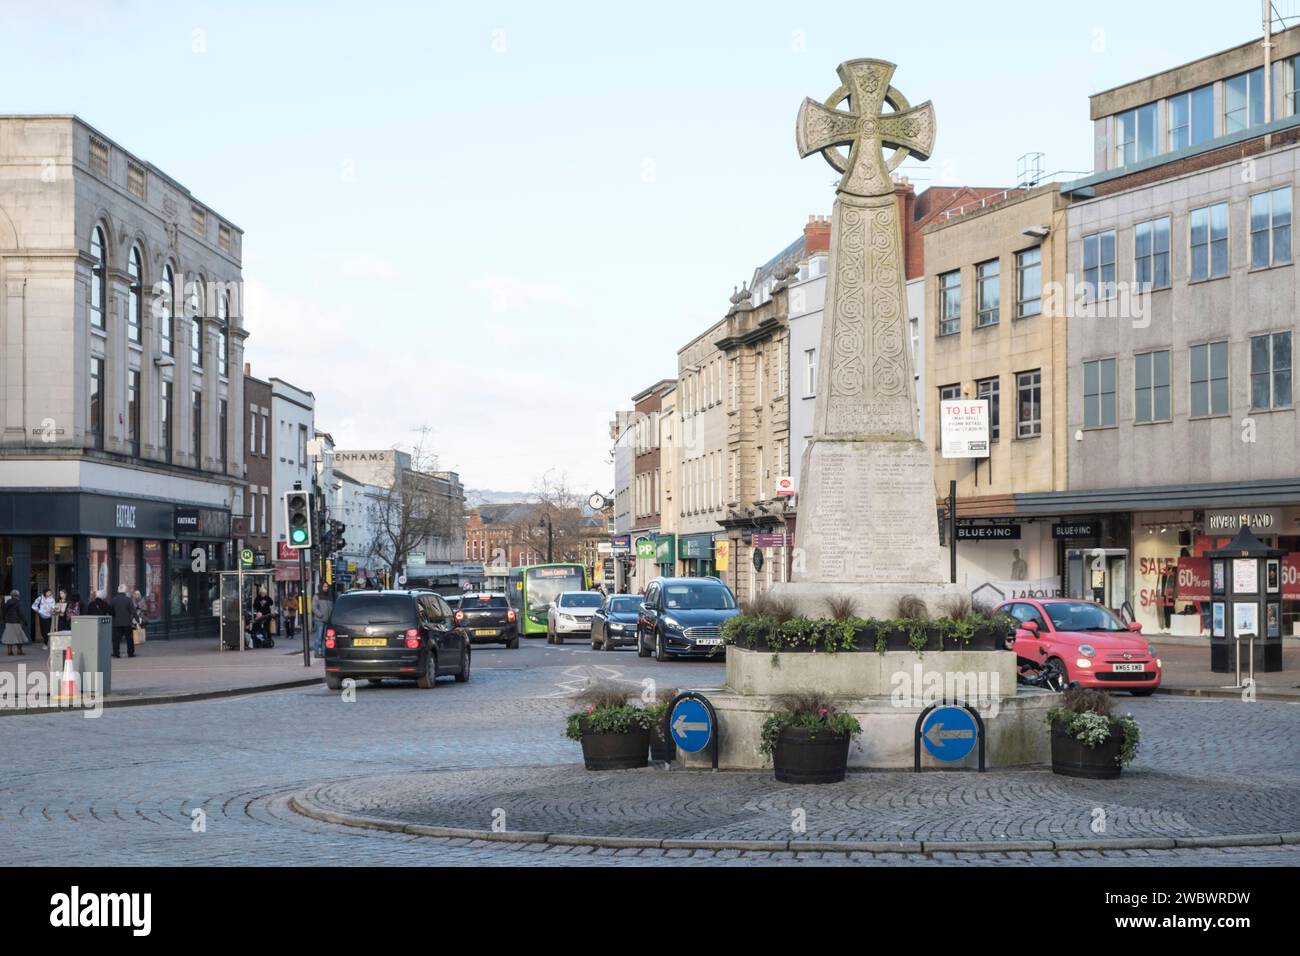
x=801, y=757
x=985, y=639
x=662, y=747
x=1073, y=758
x=615, y=751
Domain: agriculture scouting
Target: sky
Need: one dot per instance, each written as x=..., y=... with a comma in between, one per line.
x=501, y=220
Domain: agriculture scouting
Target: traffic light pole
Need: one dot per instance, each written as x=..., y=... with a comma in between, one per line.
x=303, y=595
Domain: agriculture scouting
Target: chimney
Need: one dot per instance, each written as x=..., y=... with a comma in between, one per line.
x=248, y=369
x=817, y=235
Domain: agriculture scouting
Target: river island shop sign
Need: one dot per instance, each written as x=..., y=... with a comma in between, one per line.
x=1231, y=520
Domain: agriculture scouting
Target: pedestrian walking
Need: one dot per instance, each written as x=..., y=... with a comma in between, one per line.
x=44, y=617
x=321, y=616
x=123, y=610
x=62, y=619
x=14, y=634
x=290, y=616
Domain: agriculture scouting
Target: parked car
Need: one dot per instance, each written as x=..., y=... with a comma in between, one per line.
x=614, y=623
x=487, y=618
x=682, y=617
x=400, y=634
x=1093, y=646
x=571, y=613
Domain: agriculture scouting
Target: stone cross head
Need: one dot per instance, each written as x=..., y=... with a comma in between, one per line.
x=864, y=128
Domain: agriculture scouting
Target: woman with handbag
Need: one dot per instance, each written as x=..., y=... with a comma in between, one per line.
x=14, y=634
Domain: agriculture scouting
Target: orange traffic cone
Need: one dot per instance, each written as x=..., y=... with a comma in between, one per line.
x=68, y=682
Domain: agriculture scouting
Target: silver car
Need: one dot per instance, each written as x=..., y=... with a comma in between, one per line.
x=571, y=613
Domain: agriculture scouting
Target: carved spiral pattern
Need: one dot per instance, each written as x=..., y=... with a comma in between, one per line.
x=850, y=341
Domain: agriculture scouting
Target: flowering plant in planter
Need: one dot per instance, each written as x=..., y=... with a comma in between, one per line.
x=662, y=746
x=607, y=718
x=808, y=740
x=1084, y=715
x=614, y=734
x=812, y=713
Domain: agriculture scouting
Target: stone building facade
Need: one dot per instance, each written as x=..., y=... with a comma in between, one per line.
x=994, y=336
x=261, y=508
x=647, y=476
x=121, y=370
x=1181, y=406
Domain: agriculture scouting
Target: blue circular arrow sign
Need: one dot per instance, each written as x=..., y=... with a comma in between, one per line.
x=949, y=733
x=690, y=726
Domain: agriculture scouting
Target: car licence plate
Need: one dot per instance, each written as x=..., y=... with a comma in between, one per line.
x=1127, y=668
x=709, y=641
x=484, y=633
x=370, y=642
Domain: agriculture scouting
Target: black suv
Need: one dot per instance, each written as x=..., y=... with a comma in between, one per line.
x=408, y=635
x=683, y=617
x=487, y=618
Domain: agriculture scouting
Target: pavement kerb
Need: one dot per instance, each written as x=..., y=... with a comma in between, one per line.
x=144, y=700
x=302, y=804
x=1225, y=694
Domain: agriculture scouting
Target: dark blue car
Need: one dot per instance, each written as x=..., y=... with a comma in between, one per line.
x=614, y=625
x=682, y=617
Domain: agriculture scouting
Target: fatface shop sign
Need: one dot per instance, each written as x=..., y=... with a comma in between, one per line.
x=1230, y=521
x=202, y=523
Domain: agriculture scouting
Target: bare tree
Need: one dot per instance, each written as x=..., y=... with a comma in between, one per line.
x=554, y=502
x=417, y=507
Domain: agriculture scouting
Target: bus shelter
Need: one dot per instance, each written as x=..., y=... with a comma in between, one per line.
x=237, y=590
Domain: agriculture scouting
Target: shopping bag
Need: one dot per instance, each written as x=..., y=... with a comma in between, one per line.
x=138, y=635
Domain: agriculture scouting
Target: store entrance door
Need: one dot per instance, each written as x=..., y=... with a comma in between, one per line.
x=1101, y=575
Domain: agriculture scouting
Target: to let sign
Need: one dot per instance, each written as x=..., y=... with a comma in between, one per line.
x=964, y=427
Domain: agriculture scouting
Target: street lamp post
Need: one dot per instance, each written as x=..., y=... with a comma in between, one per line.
x=550, y=535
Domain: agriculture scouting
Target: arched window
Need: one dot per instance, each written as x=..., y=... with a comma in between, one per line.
x=134, y=295
x=166, y=328
x=98, y=288
x=195, y=308
x=223, y=333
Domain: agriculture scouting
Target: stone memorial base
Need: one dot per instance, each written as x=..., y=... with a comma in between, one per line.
x=886, y=693
x=868, y=529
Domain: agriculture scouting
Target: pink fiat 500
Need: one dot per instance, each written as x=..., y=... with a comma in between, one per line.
x=1094, y=647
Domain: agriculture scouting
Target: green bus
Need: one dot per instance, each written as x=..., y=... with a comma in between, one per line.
x=531, y=589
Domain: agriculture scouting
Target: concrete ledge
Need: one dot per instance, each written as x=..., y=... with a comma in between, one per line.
x=302, y=804
x=987, y=846
x=774, y=846
x=626, y=843
x=854, y=846
x=1119, y=843
x=1248, y=839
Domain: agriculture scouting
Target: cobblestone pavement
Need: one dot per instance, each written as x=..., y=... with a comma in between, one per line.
x=123, y=788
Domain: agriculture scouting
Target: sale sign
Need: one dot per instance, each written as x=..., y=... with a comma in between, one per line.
x=1193, y=579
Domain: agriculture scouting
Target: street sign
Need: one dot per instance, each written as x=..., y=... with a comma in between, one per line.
x=246, y=557
x=691, y=726
x=949, y=733
x=401, y=580
x=784, y=486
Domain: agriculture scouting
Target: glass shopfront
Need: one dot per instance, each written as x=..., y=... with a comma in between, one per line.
x=86, y=544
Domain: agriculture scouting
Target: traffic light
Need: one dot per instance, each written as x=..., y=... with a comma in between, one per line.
x=297, y=519
x=336, y=536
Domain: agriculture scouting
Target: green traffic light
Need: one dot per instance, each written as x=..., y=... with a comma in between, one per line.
x=298, y=535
